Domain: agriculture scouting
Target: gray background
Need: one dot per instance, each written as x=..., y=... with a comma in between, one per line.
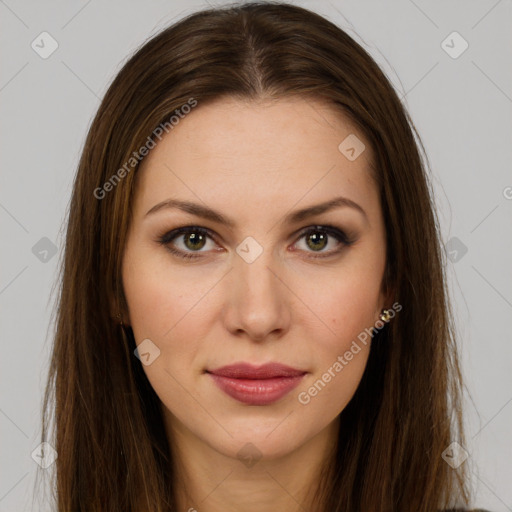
x=461, y=107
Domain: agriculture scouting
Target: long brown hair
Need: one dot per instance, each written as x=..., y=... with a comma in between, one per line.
x=109, y=435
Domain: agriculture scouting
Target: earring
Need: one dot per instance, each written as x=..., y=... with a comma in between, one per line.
x=120, y=318
x=385, y=316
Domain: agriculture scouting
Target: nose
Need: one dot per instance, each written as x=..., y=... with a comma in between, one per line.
x=258, y=299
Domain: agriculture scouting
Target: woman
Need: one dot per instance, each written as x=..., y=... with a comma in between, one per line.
x=253, y=313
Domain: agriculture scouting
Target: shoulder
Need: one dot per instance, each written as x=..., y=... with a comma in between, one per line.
x=465, y=510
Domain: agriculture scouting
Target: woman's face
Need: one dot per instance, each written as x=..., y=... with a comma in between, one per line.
x=263, y=284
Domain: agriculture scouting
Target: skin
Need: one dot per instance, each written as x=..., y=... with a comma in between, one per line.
x=254, y=162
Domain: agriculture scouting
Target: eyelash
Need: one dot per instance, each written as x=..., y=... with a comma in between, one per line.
x=168, y=237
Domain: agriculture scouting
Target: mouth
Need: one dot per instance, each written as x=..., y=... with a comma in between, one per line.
x=253, y=385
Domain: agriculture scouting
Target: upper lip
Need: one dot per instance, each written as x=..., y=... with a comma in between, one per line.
x=248, y=371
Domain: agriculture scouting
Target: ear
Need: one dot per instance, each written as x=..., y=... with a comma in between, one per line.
x=387, y=296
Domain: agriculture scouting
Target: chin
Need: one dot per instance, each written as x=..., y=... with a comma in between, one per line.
x=264, y=441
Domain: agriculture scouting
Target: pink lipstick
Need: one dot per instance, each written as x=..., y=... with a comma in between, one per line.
x=254, y=385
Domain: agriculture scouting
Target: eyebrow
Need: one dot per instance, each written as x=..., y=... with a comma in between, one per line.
x=292, y=218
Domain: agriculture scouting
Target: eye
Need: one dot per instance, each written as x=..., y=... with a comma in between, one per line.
x=195, y=238
x=318, y=237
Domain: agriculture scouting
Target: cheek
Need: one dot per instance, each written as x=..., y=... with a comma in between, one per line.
x=341, y=350
x=345, y=304
x=150, y=304
x=166, y=308
x=325, y=394
x=170, y=306
x=160, y=297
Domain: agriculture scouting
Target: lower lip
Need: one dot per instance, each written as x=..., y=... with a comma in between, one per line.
x=256, y=391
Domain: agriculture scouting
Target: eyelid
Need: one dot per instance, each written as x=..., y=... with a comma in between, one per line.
x=173, y=234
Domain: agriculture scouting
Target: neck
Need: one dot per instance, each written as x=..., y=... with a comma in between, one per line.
x=210, y=481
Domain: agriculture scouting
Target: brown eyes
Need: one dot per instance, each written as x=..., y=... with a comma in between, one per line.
x=195, y=238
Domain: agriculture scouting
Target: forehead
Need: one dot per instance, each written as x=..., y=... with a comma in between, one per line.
x=234, y=152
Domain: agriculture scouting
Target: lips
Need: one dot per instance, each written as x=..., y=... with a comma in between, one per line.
x=248, y=371
x=254, y=385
